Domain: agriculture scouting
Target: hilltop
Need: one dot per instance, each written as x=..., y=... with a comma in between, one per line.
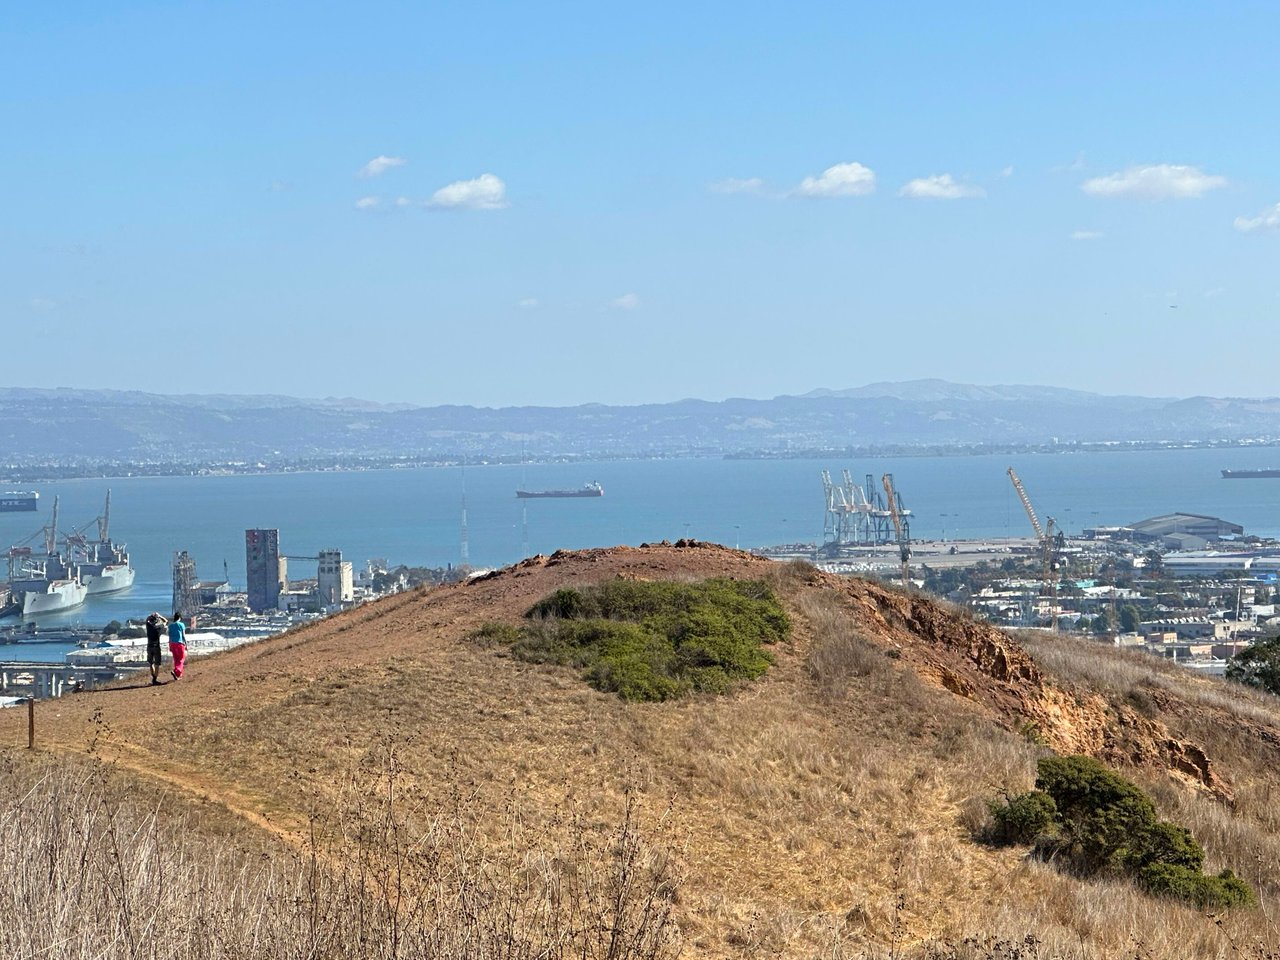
x=828, y=808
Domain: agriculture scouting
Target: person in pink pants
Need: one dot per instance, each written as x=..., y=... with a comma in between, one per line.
x=178, y=644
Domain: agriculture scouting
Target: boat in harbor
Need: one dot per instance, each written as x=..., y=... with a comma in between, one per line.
x=586, y=490
x=104, y=565
x=16, y=501
x=44, y=582
x=53, y=579
x=1248, y=474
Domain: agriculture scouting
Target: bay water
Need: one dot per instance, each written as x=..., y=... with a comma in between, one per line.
x=414, y=516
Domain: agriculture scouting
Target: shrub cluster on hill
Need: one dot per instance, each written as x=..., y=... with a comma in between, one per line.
x=1096, y=822
x=652, y=640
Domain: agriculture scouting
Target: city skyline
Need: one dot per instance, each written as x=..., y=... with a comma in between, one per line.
x=504, y=206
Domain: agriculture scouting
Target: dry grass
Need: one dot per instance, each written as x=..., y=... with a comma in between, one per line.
x=103, y=876
x=826, y=810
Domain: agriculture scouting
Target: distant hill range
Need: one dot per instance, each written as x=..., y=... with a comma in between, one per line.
x=78, y=425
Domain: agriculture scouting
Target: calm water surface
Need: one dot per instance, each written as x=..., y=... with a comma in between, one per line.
x=413, y=516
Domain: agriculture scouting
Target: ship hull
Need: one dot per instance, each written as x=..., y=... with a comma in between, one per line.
x=112, y=579
x=18, y=502
x=1249, y=474
x=54, y=596
x=556, y=494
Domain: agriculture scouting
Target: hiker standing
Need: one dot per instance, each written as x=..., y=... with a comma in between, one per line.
x=178, y=644
x=155, y=627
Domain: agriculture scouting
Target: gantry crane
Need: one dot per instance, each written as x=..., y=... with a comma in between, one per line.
x=1047, y=548
x=904, y=538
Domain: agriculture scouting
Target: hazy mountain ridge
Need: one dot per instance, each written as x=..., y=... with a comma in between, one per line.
x=38, y=424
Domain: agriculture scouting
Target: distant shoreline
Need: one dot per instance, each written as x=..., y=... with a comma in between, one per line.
x=53, y=471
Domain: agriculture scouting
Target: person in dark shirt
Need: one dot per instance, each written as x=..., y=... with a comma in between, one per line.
x=155, y=629
x=178, y=644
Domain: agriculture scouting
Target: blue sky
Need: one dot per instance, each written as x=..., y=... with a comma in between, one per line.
x=561, y=203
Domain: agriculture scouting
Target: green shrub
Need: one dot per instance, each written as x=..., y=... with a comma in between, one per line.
x=1024, y=818
x=1095, y=821
x=1105, y=820
x=653, y=640
x=1183, y=883
x=491, y=632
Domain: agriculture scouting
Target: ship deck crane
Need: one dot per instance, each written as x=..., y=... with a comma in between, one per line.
x=1047, y=542
x=904, y=539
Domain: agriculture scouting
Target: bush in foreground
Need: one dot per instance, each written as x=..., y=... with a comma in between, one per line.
x=652, y=640
x=1096, y=822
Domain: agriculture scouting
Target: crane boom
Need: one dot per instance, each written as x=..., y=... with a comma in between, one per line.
x=1047, y=551
x=1026, y=505
x=904, y=545
x=104, y=521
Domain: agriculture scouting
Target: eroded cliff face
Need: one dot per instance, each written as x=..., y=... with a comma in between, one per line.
x=989, y=667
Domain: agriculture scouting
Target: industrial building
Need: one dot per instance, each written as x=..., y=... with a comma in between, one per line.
x=335, y=583
x=265, y=569
x=1183, y=531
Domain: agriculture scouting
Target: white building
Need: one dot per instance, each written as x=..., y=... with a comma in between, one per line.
x=335, y=584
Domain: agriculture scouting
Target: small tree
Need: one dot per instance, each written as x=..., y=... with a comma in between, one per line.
x=1130, y=618
x=1258, y=665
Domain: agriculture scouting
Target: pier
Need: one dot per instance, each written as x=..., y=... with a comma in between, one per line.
x=44, y=680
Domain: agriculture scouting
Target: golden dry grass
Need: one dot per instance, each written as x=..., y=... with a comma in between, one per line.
x=826, y=810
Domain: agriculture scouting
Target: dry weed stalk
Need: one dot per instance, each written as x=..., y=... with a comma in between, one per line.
x=90, y=873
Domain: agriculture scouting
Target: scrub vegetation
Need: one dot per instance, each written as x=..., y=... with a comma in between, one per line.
x=1092, y=820
x=653, y=640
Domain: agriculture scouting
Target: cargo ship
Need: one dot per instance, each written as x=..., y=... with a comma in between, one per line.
x=1248, y=474
x=103, y=564
x=15, y=501
x=54, y=580
x=43, y=582
x=586, y=490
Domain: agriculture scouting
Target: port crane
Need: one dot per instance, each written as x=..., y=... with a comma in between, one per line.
x=903, y=537
x=1047, y=547
x=22, y=561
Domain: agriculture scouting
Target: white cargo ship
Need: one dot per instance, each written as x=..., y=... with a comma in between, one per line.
x=44, y=582
x=104, y=565
x=53, y=581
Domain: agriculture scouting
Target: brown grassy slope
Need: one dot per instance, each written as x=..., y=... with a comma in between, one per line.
x=827, y=804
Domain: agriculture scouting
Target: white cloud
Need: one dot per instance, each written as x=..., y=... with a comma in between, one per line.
x=628, y=301
x=1087, y=235
x=403, y=202
x=842, y=180
x=939, y=187
x=1007, y=171
x=379, y=165
x=42, y=303
x=368, y=203
x=1266, y=220
x=736, y=185
x=485, y=192
x=528, y=303
x=1161, y=181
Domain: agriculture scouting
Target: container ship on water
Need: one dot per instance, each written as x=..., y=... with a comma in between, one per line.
x=15, y=501
x=586, y=490
x=1248, y=474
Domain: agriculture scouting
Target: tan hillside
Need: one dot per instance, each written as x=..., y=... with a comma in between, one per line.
x=826, y=809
